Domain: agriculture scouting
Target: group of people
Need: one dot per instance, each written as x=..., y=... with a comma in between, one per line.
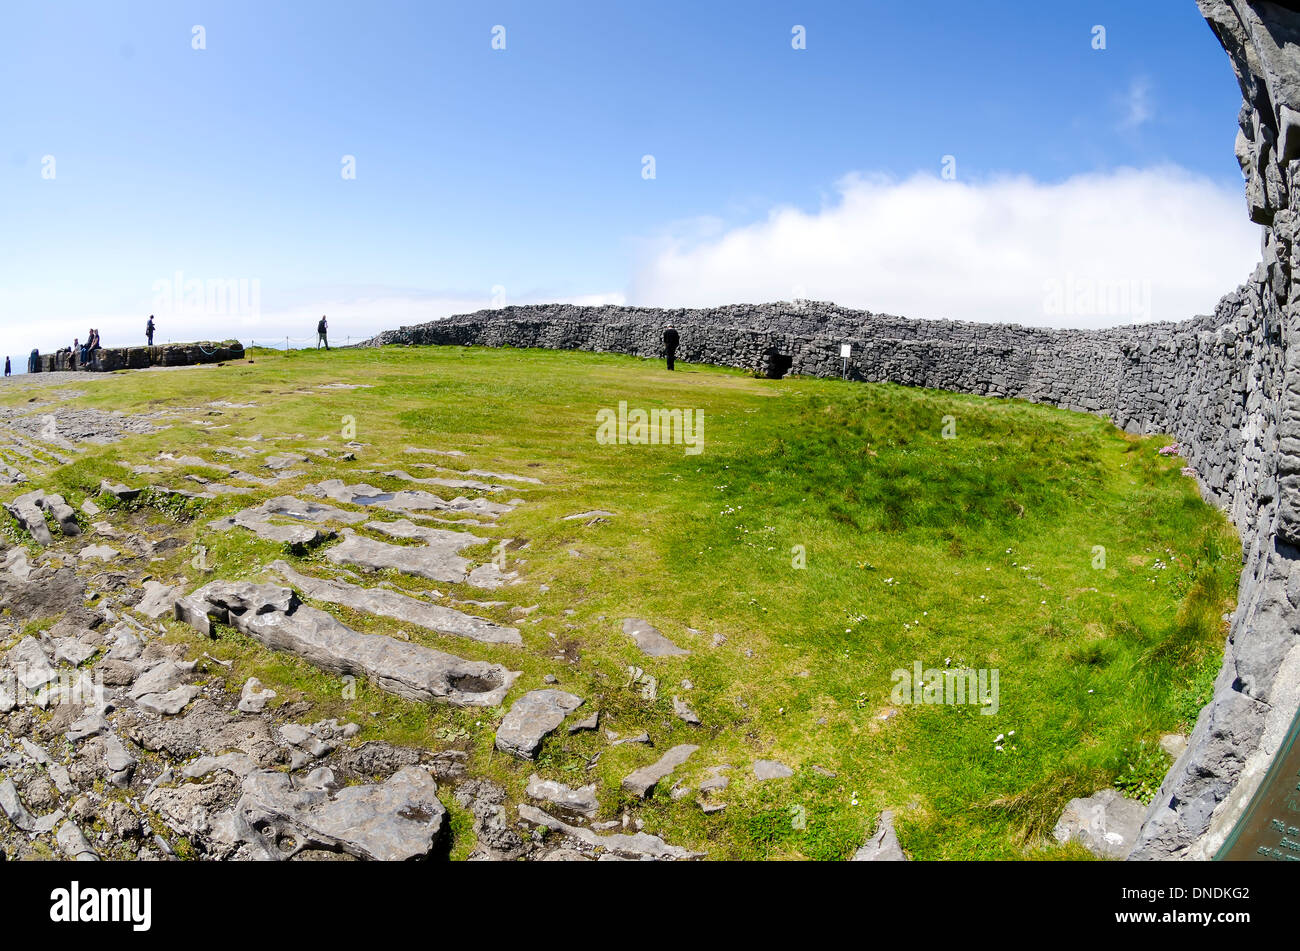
x=84, y=350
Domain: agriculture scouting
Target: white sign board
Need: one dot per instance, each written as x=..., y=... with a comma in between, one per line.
x=846, y=350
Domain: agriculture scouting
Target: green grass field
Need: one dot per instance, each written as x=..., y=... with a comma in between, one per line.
x=829, y=531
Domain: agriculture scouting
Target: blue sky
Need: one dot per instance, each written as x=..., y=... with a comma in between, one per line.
x=518, y=172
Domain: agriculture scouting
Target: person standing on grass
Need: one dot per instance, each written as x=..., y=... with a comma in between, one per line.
x=670, y=344
x=148, y=330
x=322, y=329
x=8, y=372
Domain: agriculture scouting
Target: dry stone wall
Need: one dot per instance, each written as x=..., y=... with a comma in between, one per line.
x=107, y=359
x=1226, y=386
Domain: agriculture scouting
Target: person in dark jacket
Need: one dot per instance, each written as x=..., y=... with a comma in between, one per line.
x=8, y=372
x=670, y=344
x=322, y=329
x=148, y=330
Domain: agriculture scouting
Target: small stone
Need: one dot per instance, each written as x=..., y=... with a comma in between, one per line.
x=647, y=637
x=253, y=698
x=640, y=782
x=765, y=769
x=684, y=712
x=883, y=845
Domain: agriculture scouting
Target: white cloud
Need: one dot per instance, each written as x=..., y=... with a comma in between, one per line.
x=1157, y=243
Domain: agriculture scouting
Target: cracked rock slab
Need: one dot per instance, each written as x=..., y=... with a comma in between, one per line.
x=276, y=618
x=287, y=520
x=436, y=559
x=402, y=501
x=74, y=844
x=532, y=717
x=399, y=607
x=394, y=821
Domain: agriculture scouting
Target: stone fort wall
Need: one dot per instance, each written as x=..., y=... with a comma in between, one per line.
x=107, y=359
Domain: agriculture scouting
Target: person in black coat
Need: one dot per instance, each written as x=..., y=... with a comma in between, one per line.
x=7, y=370
x=670, y=344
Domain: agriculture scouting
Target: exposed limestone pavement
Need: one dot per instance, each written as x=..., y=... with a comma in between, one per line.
x=121, y=736
x=275, y=617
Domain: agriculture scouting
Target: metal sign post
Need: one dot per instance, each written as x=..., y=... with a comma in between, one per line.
x=846, y=350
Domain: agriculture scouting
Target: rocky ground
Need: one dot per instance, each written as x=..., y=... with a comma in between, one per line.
x=119, y=741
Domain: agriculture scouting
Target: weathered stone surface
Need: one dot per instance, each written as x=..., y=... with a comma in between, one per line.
x=31, y=508
x=1105, y=823
x=593, y=514
x=640, y=782
x=404, y=501
x=253, y=698
x=684, y=712
x=581, y=801
x=74, y=844
x=27, y=510
x=765, y=769
x=399, y=607
x=474, y=484
x=170, y=703
x=436, y=560
x=159, y=599
x=397, y=820
x=883, y=845
x=274, y=616
x=98, y=553
x=650, y=640
x=288, y=520
x=30, y=663
x=12, y=806
x=119, y=764
x=639, y=847
x=119, y=491
x=532, y=716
